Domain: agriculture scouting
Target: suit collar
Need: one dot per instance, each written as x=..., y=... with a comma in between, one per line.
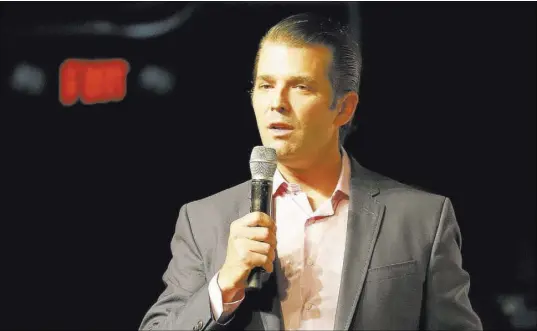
x=341, y=186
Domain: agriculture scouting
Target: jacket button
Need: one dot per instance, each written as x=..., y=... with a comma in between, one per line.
x=198, y=326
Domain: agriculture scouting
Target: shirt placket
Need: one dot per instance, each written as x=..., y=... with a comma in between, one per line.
x=293, y=261
x=302, y=204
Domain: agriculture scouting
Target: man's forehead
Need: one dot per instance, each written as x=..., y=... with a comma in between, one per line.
x=282, y=60
x=286, y=49
x=289, y=44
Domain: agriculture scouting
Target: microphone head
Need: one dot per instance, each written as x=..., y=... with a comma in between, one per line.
x=263, y=163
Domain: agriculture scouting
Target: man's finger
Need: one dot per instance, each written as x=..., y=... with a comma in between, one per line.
x=258, y=219
x=258, y=234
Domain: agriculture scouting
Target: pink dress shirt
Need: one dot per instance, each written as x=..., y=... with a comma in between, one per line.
x=310, y=247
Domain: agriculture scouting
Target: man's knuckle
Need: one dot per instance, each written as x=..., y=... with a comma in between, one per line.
x=239, y=243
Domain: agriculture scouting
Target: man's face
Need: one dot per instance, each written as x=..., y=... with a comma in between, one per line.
x=295, y=79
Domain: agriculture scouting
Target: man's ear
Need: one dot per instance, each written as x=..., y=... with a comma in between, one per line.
x=347, y=108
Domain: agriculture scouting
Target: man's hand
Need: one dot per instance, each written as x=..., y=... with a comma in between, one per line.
x=251, y=243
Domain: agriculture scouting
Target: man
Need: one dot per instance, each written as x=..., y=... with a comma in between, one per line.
x=345, y=248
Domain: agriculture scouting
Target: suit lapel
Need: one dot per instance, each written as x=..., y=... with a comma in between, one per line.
x=365, y=217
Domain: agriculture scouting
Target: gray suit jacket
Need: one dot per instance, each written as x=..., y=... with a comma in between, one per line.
x=402, y=264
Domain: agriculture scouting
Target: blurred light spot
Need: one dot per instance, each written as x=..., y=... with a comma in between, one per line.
x=136, y=30
x=515, y=308
x=510, y=304
x=103, y=27
x=156, y=79
x=29, y=79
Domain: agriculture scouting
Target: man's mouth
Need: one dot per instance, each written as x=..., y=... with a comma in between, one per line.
x=280, y=126
x=280, y=130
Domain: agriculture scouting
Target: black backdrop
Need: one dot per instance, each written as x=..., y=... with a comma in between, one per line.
x=447, y=103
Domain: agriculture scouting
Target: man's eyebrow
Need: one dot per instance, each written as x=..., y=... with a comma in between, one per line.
x=295, y=79
x=265, y=78
x=302, y=79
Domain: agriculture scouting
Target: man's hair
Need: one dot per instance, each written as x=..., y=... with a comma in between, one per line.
x=310, y=29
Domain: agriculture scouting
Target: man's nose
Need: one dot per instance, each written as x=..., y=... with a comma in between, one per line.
x=279, y=101
x=279, y=109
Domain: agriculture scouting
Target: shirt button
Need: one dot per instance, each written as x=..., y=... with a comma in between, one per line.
x=309, y=306
x=309, y=262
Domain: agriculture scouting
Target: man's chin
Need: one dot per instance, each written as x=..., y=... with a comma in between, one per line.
x=284, y=149
x=284, y=153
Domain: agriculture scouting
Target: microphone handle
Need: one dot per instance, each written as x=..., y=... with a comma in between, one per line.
x=261, y=200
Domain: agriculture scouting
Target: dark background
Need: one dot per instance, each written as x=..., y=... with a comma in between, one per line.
x=93, y=191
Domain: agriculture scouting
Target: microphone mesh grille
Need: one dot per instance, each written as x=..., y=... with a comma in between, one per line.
x=263, y=163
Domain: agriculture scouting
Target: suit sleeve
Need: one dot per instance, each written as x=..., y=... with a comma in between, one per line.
x=447, y=303
x=184, y=304
x=222, y=312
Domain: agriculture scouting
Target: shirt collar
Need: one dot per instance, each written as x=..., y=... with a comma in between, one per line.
x=279, y=183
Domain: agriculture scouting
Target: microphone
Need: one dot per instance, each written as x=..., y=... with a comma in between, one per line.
x=263, y=163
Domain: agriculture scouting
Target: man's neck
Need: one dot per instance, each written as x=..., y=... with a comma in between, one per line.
x=320, y=178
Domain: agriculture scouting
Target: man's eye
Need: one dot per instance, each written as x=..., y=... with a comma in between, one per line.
x=302, y=87
x=264, y=86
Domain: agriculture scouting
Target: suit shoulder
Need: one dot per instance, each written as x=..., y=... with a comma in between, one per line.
x=410, y=210
x=392, y=191
x=225, y=200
